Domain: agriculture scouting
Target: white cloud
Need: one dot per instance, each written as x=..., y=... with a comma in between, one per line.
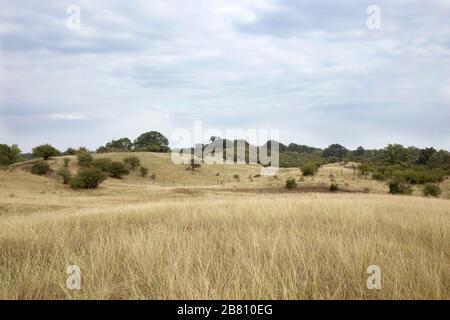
x=66, y=116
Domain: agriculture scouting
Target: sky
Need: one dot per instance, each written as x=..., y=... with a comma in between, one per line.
x=311, y=69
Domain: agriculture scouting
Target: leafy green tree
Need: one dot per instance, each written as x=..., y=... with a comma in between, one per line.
x=394, y=154
x=70, y=152
x=335, y=151
x=123, y=144
x=9, y=154
x=425, y=155
x=359, y=153
x=45, y=151
x=151, y=141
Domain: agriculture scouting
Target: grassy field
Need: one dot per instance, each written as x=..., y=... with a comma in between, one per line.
x=208, y=236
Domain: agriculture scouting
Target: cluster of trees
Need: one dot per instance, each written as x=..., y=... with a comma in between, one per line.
x=152, y=141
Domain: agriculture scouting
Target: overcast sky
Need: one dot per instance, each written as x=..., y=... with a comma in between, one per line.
x=311, y=69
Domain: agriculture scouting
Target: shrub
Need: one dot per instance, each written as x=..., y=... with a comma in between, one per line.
x=88, y=178
x=65, y=174
x=257, y=176
x=103, y=164
x=66, y=162
x=309, y=169
x=144, y=171
x=117, y=169
x=153, y=176
x=397, y=187
x=9, y=155
x=132, y=162
x=84, y=158
x=334, y=187
x=432, y=190
x=40, y=168
x=291, y=183
x=236, y=177
x=45, y=151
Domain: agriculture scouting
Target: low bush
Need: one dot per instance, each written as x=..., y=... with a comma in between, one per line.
x=117, y=169
x=397, y=187
x=309, y=169
x=84, y=158
x=432, y=190
x=88, y=178
x=334, y=187
x=291, y=183
x=40, y=168
x=65, y=174
x=103, y=164
x=132, y=162
x=236, y=177
x=66, y=162
x=144, y=171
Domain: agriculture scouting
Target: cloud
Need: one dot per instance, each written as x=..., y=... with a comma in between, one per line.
x=66, y=116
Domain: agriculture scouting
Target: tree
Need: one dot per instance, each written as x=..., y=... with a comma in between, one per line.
x=425, y=155
x=336, y=151
x=359, y=152
x=122, y=144
x=70, y=152
x=9, y=154
x=45, y=151
x=151, y=141
x=394, y=154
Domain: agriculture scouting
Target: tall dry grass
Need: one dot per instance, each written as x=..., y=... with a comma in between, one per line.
x=257, y=247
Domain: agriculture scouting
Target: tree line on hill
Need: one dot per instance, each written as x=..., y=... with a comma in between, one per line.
x=400, y=166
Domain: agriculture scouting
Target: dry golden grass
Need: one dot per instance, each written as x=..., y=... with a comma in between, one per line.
x=134, y=238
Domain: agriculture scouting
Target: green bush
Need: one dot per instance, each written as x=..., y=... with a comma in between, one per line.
x=432, y=190
x=65, y=174
x=9, y=154
x=88, y=178
x=117, y=169
x=309, y=169
x=334, y=187
x=66, y=162
x=291, y=183
x=236, y=177
x=397, y=187
x=153, y=176
x=103, y=164
x=84, y=158
x=132, y=162
x=144, y=171
x=40, y=168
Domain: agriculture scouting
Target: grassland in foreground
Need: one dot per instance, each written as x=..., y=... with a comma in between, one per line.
x=136, y=238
